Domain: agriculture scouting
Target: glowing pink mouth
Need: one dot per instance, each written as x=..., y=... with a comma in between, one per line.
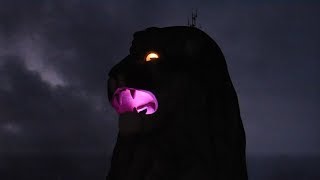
x=126, y=99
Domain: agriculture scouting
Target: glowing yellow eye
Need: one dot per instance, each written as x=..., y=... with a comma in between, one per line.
x=152, y=56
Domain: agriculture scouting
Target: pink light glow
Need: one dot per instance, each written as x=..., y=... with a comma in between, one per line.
x=126, y=99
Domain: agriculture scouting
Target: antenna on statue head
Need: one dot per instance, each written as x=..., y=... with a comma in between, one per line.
x=194, y=16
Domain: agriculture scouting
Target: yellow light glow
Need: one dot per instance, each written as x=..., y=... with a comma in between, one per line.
x=152, y=56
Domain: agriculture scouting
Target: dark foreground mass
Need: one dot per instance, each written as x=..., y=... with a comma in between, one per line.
x=197, y=131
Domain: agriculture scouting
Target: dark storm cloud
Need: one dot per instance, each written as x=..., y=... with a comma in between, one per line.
x=38, y=117
x=81, y=40
x=71, y=44
x=55, y=55
x=67, y=29
x=47, y=131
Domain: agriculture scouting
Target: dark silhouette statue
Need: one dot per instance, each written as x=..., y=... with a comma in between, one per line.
x=178, y=111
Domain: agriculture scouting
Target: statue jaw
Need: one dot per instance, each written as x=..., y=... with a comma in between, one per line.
x=127, y=99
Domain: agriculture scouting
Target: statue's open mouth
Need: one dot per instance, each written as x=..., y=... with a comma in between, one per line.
x=126, y=99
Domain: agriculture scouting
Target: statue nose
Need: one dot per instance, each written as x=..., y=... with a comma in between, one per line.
x=114, y=82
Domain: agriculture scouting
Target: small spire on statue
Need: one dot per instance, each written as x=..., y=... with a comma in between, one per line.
x=194, y=16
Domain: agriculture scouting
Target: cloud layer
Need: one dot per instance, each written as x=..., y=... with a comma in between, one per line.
x=55, y=56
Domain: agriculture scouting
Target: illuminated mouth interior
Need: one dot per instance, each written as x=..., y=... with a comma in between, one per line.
x=126, y=99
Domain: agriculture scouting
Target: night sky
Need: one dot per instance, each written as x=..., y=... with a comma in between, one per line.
x=55, y=119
